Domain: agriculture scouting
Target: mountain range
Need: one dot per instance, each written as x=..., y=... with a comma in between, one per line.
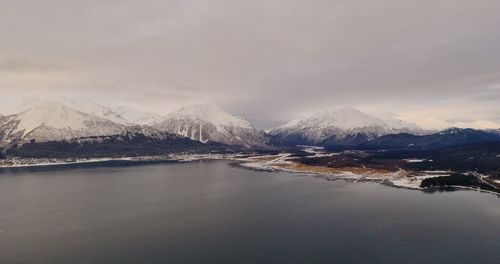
x=76, y=121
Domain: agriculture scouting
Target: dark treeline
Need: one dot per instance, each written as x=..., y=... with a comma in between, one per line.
x=408, y=142
x=467, y=180
x=482, y=158
x=139, y=145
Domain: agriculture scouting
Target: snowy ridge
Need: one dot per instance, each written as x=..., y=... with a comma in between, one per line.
x=80, y=104
x=136, y=116
x=91, y=107
x=125, y=115
x=291, y=123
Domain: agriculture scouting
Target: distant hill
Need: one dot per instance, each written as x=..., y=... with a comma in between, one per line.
x=448, y=137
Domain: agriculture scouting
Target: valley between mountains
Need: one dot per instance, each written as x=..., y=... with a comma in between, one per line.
x=338, y=144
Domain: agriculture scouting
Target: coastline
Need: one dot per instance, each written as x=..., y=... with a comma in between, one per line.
x=183, y=157
x=284, y=162
x=399, y=179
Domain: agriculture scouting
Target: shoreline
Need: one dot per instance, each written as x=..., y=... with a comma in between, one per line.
x=367, y=179
x=397, y=179
x=281, y=162
x=33, y=163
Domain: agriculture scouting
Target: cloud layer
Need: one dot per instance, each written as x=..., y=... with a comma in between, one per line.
x=269, y=61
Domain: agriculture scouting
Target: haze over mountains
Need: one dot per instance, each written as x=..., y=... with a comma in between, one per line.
x=70, y=119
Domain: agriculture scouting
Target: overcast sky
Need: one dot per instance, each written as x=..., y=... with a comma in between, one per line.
x=269, y=61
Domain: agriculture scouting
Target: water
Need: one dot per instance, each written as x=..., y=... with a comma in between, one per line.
x=212, y=212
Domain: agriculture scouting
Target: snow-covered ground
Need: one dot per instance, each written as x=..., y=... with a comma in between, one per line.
x=317, y=152
x=414, y=160
x=399, y=179
x=279, y=162
x=17, y=163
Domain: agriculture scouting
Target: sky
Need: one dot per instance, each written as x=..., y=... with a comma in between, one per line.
x=434, y=63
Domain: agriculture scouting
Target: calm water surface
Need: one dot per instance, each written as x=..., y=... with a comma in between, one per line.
x=212, y=212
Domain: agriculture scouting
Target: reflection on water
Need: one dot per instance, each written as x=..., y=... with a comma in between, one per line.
x=211, y=212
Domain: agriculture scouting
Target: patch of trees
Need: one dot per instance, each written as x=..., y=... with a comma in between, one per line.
x=467, y=180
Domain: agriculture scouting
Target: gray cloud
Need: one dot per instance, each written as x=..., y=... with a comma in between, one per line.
x=267, y=60
x=24, y=65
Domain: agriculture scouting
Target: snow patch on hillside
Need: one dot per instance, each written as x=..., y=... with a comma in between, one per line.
x=209, y=113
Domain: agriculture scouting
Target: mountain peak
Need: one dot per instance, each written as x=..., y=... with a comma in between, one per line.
x=136, y=116
x=341, y=110
x=347, y=109
x=51, y=114
x=210, y=113
x=345, y=117
x=84, y=105
x=89, y=106
x=208, y=122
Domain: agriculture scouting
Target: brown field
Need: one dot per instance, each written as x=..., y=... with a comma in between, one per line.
x=492, y=182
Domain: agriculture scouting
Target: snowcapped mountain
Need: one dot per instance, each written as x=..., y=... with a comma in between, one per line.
x=90, y=107
x=56, y=130
x=136, y=116
x=50, y=121
x=209, y=123
x=345, y=126
x=76, y=118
